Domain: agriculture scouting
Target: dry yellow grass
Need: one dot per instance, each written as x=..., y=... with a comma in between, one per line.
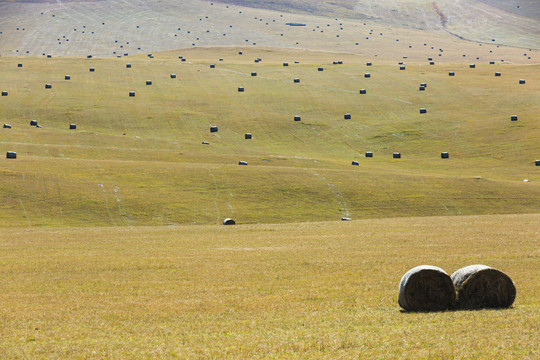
x=291, y=291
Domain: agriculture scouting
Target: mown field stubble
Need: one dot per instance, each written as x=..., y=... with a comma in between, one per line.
x=310, y=290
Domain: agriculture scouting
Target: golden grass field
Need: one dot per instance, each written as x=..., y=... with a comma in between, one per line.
x=288, y=291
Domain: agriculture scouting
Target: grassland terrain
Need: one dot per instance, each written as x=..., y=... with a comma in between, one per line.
x=110, y=243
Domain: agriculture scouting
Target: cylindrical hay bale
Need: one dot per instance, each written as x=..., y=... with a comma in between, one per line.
x=347, y=116
x=521, y=81
x=213, y=129
x=285, y=64
x=88, y=56
x=396, y=155
x=296, y=80
x=67, y=77
x=445, y=155
x=334, y=62
x=247, y=136
x=11, y=155
x=513, y=118
x=368, y=64
x=421, y=88
x=340, y=62
x=537, y=162
x=240, y=53
x=128, y=66
x=451, y=73
x=320, y=69
x=132, y=93
x=4, y=93
x=367, y=75
x=497, y=74
x=92, y=69
x=48, y=86
x=72, y=126
x=423, y=84
x=33, y=122
x=355, y=163
x=480, y=287
x=472, y=66
x=183, y=60
x=212, y=66
x=19, y=65
x=173, y=76
x=229, y=222
x=148, y=82
x=297, y=118
x=423, y=110
x=240, y=89
x=426, y=288
x=346, y=219
x=253, y=74
x=492, y=63
x=242, y=163
x=7, y=126
x=369, y=154
x=363, y=91
x=432, y=63
x=402, y=67
x=205, y=143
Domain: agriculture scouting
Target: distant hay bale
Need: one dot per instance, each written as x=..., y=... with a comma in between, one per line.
x=445, y=155
x=213, y=129
x=19, y=65
x=451, y=73
x=240, y=89
x=369, y=154
x=346, y=219
x=72, y=126
x=212, y=66
x=396, y=155
x=48, y=86
x=513, y=118
x=229, y=222
x=367, y=75
x=296, y=80
x=88, y=56
x=92, y=69
x=402, y=67
x=472, y=66
x=297, y=118
x=320, y=69
x=432, y=63
x=362, y=91
x=33, y=122
x=240, y=53
x=481, y=287
x=423, y=111
x=243, y=163
x=492, y=63
x=205, y=143
x=537, y=162
x=183, y=59
x=521, y=81
x=497, y=74
x=368, y=64
x=11, y=155
x=7, y=126
x=148, y=82
x=423, y=84
x=253, y=74
x=356, y=163
x=132, y=93
x=426, y=288
x=173, y=76
x=421, y=88
x=128, y=66
x=67, y=77
x=285, y=64
x=247, y=136
x=4, y=93
x=347, y=116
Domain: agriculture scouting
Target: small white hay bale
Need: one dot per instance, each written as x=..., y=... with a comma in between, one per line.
x=481, y=287
x=426, y=288
x=229, y=221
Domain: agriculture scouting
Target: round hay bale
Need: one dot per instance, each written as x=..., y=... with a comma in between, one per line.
x=347, y=116
x=173, y=76
x=426, y=288
x=362, y=91
x=346, y=219
x=369, y=154
x=355, y=163
x=451, y=73
x=33, y=122
x=513, y=118
x=497, y=74
x=4, y=93
x=72, y=126
x=368, y=64
x=423, y=111
x=297, y=118
x=481, y=287
x=48, y=86
x=421, y=88
x=367, y=75
x=67, y=77
x=247, y=136
x=212, y=66
x=244, y=163
x=19, y=65
x=11, y=155
x=537, y=162
x=148, y=82
x=445, y=155
x=92, y=69
x=7, y=126
x=402, y=67
x=296, y=80
x=253, y=74
x=213, y=129
x=285, y=64
x=396, y=155
x=229, y=222
x=320, y=69
x=240, y=89
x=472, y=66
x=128, y=66
x=132, y=93
x=521, y=81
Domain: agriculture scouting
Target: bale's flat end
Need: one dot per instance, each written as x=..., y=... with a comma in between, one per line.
x=426, y=288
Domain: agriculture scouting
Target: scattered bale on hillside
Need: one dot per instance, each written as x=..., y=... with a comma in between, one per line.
x=297, y=118
x=367, y=75
x=213, y=129
x=426, y=288
x=451, y=73
x=48, y=86
x=33, y=122
x=128, y=66
x=472, y=66
x=72, y=126
x=88, y=56
x=4, y=93
x=253, y=74
x=521, y=81
x=11, y=155
x=423, y=110
x=421, y=88
x=423, y=84
x=240, y=89
x=347, y=116
x=183, y=59
x=285, y=64
x=148, y=82
x=229, y=222
x=481, y=287
x=212, y=66
x=369, y=154
x=19, y=65
x=362, y=91
x=49, y=56
x=513, y=118
x=7, y=126
x=368, y=64
x=396, y=155
x=92, y=69
x=432, y=63
x=173, y=76
x=445, y=155
x=132, y=93
x=243, y=163
x=402, y=67
x=296, y=80
x=67, y=77
x=492, y=63
x=205, y=143
x=497, y=74
x=356, y=163
x=240, y=53
x=537, y=162
x=346, y=219
x=247, y=136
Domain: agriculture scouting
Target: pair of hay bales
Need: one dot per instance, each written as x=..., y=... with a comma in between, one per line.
x=429, y=288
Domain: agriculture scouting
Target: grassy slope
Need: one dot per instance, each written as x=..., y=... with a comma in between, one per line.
x=159, y=173
x=291, y=291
